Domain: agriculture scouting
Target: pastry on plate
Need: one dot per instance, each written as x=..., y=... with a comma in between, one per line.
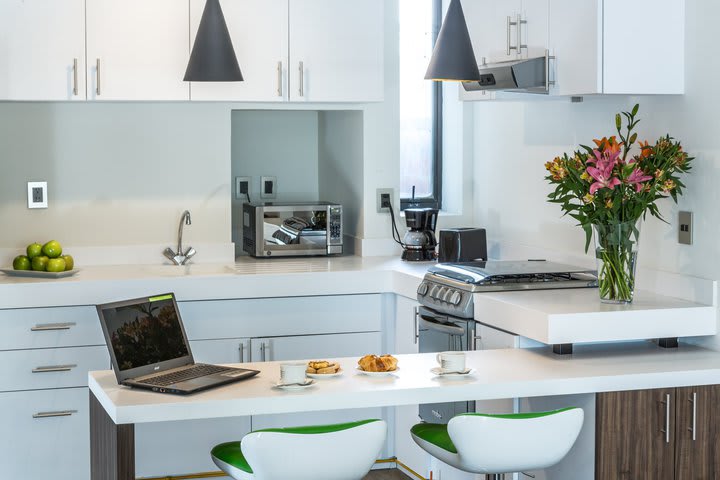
x=373, y=363
x=322, y=367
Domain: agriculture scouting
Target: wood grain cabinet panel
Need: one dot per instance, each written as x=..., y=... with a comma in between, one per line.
x=662, y=434
x=631, y=442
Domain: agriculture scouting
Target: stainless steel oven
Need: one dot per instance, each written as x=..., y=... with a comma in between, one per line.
x=439, y=333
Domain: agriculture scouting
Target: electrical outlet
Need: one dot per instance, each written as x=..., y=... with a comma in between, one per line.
x=685, y=229
x=268, y=187
x=37, y=194
x=242, y=188
x=383, y=194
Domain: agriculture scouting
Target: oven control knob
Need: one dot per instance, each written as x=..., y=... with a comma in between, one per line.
x=441, y=294
x=456, y=298
x=422, y=289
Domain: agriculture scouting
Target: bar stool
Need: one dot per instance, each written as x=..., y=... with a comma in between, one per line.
x=499, y=444
x=343, y=451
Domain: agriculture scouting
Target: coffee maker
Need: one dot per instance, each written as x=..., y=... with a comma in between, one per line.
x=419, y=241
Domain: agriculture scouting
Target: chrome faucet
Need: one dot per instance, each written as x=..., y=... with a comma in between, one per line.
x=180, y=258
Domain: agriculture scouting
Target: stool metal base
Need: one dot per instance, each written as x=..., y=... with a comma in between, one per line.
x=495, y=476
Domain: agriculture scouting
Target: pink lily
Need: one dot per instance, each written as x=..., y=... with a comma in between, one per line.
x=612, y=156
x=637, y=177
x=603, y=175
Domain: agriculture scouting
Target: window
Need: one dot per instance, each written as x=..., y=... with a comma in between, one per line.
x=420, y=106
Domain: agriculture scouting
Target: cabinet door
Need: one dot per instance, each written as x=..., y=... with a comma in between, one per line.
x=259, y=32
x=44, y=434
x=535, y=32
x=228, y=350
x=138, y=50
x=314, y=346
x=635, y=435
x=40, y=41
x=491, y=31
x=698, y=432
x=336, y=50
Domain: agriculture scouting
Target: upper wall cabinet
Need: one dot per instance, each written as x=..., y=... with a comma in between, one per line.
x=600, y=46
x=42, y=49
x=301, y=51
x=137, y=49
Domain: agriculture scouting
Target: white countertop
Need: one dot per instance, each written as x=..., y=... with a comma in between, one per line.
x=499, y=374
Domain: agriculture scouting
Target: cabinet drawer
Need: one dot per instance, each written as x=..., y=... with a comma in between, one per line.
x=49, y=327
x=265, y=317
x=50, y=367
x=37, y=444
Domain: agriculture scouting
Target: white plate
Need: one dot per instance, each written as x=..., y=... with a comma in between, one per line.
x=37, y=274
x=325, y=375
x=308, y=383
x=377, y=374
x=441, y=373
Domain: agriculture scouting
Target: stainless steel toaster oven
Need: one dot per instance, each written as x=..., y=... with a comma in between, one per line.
x=292, y=229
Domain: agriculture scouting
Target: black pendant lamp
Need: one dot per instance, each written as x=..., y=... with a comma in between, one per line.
x=213, y=56
x=453, y=57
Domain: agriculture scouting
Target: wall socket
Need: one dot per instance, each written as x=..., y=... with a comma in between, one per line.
x=242, y=188
x=37, y=194
x=685, y=228
x=268, y=187
x=384, y=191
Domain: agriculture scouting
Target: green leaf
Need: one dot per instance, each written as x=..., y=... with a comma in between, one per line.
x=635, y=109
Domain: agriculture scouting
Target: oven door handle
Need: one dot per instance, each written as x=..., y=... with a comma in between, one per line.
x=441, y=327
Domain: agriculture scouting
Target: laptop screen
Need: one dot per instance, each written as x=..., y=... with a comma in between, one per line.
x=143, y=334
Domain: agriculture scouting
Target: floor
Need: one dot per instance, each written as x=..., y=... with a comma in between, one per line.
x=386, y=475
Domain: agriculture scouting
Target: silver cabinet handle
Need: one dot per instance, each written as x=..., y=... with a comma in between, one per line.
x=520, y=23
x=241, y=349
x=62, y=413
x=75, y=76
x=693, y=427
x=301, y=71
x=666, y=430
x=46, y=327
x=97, y=76
x=279, y=79
x=509, y=23
x=54, y=368
x=416, y=326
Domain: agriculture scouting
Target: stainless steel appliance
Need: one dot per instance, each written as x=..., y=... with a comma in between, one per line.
x=419, y=241
x=462, y=245
x=292, y=229
x=446, y=318
x=529, y=75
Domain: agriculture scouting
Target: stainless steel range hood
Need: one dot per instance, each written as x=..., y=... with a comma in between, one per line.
x=529, y=76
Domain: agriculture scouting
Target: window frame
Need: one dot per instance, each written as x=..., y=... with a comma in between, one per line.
x=434, y=200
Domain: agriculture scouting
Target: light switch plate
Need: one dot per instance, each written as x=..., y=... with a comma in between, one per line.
x=685, y=228
x=242, y=188
x=37, y=195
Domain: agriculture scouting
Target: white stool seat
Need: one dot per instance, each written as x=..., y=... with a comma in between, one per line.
x=495, y=444
x=326, y=452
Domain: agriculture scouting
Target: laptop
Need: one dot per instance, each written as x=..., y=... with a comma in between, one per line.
x=149, y=348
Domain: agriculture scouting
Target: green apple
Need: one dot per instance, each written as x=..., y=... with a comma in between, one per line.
x=21, y=262
x=56, y=265
x=39, y=264
x=69, y=262
x=34, y=250
x=52, y=249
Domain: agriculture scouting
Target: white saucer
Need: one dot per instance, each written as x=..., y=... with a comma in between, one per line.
x=325, y=375
x=377, y=374
x=441, y=373
x=294, y=386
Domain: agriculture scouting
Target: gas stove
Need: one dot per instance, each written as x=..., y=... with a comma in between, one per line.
x=448, y=287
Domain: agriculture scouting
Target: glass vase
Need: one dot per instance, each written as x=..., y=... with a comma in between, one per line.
x=616, y=250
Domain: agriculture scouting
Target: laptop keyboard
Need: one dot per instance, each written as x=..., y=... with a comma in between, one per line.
x=195, y=371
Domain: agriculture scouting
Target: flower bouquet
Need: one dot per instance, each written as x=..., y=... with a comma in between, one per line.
x=609, y=188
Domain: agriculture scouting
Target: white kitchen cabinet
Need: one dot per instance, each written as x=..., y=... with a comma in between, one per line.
x=301, y=51
x=42, y=49
x=137, y=50
x=259, y=33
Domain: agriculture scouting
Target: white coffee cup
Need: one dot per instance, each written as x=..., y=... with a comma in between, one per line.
x=451, y=361
x=292, y=372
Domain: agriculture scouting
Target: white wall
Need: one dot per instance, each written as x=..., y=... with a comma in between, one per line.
x=513, y=140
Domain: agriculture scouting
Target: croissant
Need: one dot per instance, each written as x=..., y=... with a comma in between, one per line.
x=373, y=363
